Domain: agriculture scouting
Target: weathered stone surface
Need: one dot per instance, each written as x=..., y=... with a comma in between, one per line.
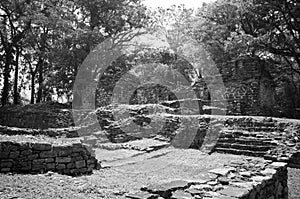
x=181, y=195
x=194, y=191
x=268, y=172
x=50, y=166
x=41, y=157
x=141, y=195
x=13, y=155
x=80, y=164
x=41, y=147
x=222, y=171
x=60, y=166
x=278, y=164
x=204, y=187
x=234, y=192
x=48, y=154
x=63, y=160
x=224, y=181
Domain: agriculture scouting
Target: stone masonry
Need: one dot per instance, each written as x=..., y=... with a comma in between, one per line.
x=245, y=179
x=29, y=157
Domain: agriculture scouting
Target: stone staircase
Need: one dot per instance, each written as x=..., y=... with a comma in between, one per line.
x=241, y=142
x=251, y=138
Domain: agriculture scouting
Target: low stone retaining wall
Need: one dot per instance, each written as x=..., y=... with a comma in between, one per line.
x=28, y=157
x=245, y=179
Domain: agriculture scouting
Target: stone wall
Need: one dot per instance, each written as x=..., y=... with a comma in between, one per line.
x=37, y=116
x=249, y=87
x=245, y=179
x=30, y=157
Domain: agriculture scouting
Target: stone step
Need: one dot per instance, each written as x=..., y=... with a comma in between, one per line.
x=245, y=146
x=235, y=133
x=245, y=135
x=240, y=152
x=248, y=141
x=257, y=129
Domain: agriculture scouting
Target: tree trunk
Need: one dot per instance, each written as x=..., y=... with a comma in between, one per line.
x=5, y=91
x=40, y=80
x=32, y=88
x=16, y=93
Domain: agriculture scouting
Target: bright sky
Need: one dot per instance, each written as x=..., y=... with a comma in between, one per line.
x=168, y=3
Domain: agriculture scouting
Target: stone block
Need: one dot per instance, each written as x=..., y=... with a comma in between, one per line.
x=37, y=167
x=5, y=169
x=38, y=161
x=4, y=155
x=60, y=166
x=26, y=152
x=33, y=156
x=75, y=154
x=48, y=154
x=181, y=194
x=91, y=161
x=41, y=147
x=71, y=165
x=66, y=171
x=63, y=160
x=49, y=160
x=78, y=158
x=25, y=164
x=222, y=171
x=80, y=164
x=50, y=166
x=24, y=146
x=234, y=192
x=83, y=170
x=63, y=150
x=14, y=155
x=26, y=168
x=77, y=148
x=89, y=169
x=141, y=195
x=6, y=164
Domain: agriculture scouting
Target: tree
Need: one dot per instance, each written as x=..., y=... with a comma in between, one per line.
x=15, y=23
x=98, y=20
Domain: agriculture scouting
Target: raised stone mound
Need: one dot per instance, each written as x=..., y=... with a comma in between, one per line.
x=38, y=116
x=28, y=154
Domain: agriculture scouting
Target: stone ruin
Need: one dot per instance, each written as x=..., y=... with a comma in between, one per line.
x=249, y=91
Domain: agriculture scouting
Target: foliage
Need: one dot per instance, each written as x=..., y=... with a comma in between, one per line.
x=53, y=37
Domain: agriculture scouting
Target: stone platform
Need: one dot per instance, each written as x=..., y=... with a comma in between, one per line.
x=188, y=173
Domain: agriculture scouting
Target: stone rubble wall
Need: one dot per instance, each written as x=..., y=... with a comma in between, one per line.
x=245, y=179
x=27, y=157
